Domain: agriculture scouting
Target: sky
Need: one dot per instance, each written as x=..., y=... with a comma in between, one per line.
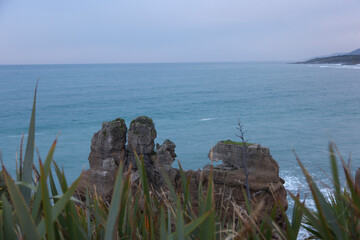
x=141, y=31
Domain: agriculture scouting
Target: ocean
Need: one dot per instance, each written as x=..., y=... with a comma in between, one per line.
x=282, y=106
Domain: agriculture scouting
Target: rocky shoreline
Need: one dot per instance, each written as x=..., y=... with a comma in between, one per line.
x=115, y=143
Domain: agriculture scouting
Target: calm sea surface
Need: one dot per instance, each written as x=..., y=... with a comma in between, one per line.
x=281, y=106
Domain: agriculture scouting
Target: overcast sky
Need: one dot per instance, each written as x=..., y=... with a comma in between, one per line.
x=122, y=31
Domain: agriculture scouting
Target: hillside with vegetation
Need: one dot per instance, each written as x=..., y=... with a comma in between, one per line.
x=351, y=58
x=343, y=59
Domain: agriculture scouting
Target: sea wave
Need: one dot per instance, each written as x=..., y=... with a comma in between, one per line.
x=207, y=119
x=297, y=184
x=339, y=66
x=25, y=135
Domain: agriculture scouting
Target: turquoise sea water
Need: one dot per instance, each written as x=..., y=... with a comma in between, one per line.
x=194, y=104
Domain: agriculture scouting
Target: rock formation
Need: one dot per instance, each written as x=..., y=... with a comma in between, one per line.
x=108, y=145
x=108, y=149
x=264, y=170
x=164, y=158
x=141, y=138
x=264, y=180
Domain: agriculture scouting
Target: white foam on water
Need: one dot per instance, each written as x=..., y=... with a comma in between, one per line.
x=292, y=183
x=296, y=184
x=25, y=135
x=207, y=119
x=339, y=66
x=349, y=66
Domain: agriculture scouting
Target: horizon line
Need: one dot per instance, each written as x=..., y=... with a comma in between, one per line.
x=109, y=63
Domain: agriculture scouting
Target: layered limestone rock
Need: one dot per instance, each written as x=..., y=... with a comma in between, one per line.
x=108, y=147
x=264, y=170
x=106, y=151
x=99, y=180
x=264, y=180
x=141, y=138
x=164, y=158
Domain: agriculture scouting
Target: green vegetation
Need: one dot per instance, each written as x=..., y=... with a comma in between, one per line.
x=116, y=121
x=42, y=208
x=144, y=120
x=235, y=143
x=122, y=121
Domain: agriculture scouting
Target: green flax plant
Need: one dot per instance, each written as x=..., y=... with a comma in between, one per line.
x=336, y=214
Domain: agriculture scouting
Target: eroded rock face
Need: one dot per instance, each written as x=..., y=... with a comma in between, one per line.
x=164, y=158
x=264, y=170
x=108, y=145
x=108, y=148
x=229, y=189
x=99, y=180
x=166, y=152
x=141, y=138
x=229, y=177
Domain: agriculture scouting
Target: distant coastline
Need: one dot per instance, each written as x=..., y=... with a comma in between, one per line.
x=343, y=60
x=351, y=58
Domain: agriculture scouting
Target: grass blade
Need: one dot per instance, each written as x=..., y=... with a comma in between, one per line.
x=145, y=187
x=189, y=228
x=1, y=228
x=46, y=204
x=326, y=214
x=8, y=219
x=29, y=155
x=207, y=229
x=163, y=233
x=124, y=200
x=334, y=169
x=36, y=208
x=339, y=204
x=297, y=217
x=53, y=187
x=88, y=221
x=60, y=205
x=179, y=222
x=112, y=220
x=49, y=159
x=26, y=222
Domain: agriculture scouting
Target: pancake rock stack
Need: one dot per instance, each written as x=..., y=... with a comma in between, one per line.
x=264, y=180
x=108, y=149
